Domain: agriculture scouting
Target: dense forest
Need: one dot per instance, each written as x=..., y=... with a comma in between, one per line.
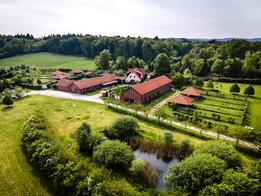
x=235, y=58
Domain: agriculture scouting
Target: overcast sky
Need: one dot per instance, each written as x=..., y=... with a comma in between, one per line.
x=145, y=18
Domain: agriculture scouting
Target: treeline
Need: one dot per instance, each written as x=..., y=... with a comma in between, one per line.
x=234, y=58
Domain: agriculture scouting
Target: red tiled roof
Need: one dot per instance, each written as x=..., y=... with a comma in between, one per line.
x=95, y=81
x=64, y=82
x=191, y=91
x=138, y=70
x=76, y=71
x=181, y=99
x=57, y=73
x=88, y=73
x=58, y=77
x=150, y=85
x=120, y=78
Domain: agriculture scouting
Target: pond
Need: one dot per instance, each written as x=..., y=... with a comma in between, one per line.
x=154, y=160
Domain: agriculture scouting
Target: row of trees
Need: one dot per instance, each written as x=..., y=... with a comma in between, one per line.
x=235, y=58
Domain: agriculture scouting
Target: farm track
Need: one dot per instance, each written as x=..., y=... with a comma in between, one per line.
x=96, y=98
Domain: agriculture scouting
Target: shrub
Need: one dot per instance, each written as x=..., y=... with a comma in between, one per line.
x=249, y=90
x=221, y=150
x=233, y=183
x=94, y=139
x=185, y=143
x=167, y=138
x=122, y=127
x=81, y=135
x=137, y=167
x=114, y=154
x=195, y=172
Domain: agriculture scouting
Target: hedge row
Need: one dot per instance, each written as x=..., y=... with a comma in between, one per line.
x=161, y=123
x=244, y=149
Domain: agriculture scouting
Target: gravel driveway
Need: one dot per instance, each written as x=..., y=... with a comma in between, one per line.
x=67, y=95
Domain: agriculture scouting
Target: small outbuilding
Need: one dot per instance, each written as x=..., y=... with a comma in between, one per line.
x=58, y=77
x=75, y=72
x=193, y=92
x=181, y=100
x=57, y=73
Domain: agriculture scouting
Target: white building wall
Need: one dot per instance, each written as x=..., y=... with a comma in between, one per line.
x=132, y=76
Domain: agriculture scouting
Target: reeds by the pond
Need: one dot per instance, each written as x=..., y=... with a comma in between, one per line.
x=151, y=174
x=166, y=152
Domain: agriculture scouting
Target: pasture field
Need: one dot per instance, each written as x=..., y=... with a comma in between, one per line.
x=46, y=59
x=17, y=176
x=254, y=109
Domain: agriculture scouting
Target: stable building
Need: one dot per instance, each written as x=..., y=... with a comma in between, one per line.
x=146, y=91
x=181, y=100
x=64, y=84
x=76, y=72
x=83, y=86
x=134, y=75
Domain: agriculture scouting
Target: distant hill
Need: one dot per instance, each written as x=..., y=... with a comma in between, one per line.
x=217, y=39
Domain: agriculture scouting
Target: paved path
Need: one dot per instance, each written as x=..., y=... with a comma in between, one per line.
x=96, y=98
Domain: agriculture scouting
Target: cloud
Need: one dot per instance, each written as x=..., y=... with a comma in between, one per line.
x=165, y=18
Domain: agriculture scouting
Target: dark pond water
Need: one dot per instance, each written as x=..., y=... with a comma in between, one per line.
x=158, y=162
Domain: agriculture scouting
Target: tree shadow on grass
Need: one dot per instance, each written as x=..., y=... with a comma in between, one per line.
x=7, y=109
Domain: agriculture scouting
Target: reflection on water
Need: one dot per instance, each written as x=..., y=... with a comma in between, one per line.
x=158, y=162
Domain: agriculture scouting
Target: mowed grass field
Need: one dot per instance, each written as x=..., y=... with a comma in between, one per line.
x=46, y=59
x=254, y=110
x=17, y=176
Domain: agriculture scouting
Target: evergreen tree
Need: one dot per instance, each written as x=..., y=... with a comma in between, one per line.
x=7, y=100
x=235, y=88
x=249, y=90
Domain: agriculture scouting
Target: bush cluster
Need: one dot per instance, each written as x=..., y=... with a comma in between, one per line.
x=70, y=175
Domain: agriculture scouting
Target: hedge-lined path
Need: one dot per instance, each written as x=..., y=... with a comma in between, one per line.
x=96, y=98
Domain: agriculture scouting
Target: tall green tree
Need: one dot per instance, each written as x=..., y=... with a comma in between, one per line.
x=221, y=150
x=178, y=80
x=194, y=173
x=81, y=136
x=162, y=65
x=209, y=84
x=103, y=60
x=122, y=127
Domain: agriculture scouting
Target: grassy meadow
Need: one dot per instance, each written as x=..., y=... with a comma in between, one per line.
x=17, y=176
x=46, y=59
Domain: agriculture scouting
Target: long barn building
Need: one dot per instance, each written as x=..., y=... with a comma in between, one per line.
x=146, y=91
x=88, y=85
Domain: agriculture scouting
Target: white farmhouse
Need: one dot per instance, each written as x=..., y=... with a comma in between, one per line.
x=134, y=75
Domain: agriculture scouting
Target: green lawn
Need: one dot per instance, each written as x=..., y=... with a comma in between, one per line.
x=17, y=176
x=162, y=97
x=254, y=111
x=45, y=59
